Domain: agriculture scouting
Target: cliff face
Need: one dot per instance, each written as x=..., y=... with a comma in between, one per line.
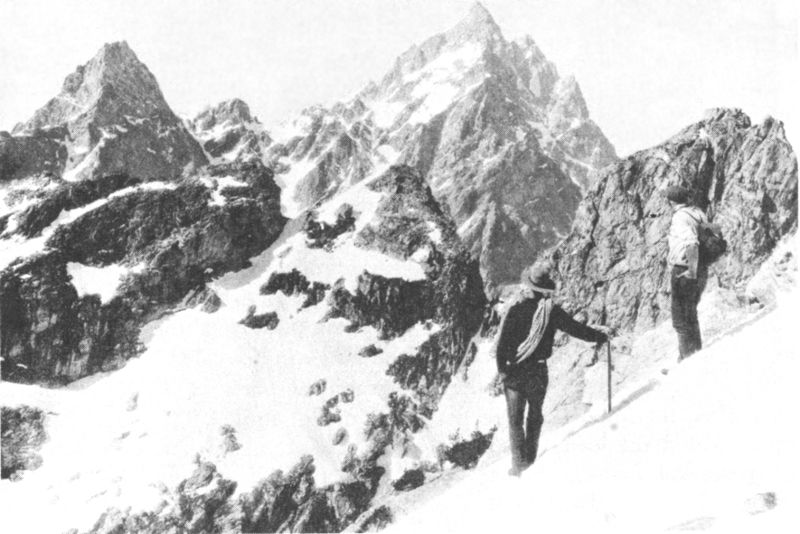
x=613, y=263
x=163, y=241
x=110, y=117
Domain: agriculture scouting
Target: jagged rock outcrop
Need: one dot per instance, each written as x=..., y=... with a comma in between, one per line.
x=228, y=131
x=22, y=430
x=171, y=240
x=110, y=117
x=67, y=196
x=267, y=320
x=613, y=263
x=293, y=283
x=283, y=502
x=322, y=234
x=505, y=142
x=410, y=223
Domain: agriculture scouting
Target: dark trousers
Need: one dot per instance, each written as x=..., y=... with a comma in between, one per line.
x=525, y=391
x=685, y=297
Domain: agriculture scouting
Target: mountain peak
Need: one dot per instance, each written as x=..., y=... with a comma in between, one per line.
x=114, y=70
x=479, y=14
x=478, y=24
x=234, y=111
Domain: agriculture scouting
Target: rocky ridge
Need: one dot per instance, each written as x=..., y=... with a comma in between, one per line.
x=168, y=241
x=228, y=132
x=505, y=142
x=613, y=263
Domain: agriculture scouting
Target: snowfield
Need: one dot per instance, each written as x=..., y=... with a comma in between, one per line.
x=124, y=439
x=710, y=446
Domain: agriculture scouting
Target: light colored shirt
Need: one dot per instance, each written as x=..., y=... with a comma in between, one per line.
x=683, y=233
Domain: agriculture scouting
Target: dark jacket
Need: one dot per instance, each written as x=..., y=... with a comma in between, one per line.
x=515, y=329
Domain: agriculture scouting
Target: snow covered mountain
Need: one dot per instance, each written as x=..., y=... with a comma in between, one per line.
x=250, y=329
x=504, y=141
x=228, y=131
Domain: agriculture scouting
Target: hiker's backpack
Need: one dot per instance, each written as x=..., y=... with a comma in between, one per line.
x=712, y=243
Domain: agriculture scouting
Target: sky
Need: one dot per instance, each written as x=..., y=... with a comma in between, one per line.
x=647, y=68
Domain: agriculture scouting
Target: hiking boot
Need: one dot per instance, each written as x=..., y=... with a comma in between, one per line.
x=515, y=471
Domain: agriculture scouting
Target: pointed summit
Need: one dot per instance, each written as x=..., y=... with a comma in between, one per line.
x=109, y=117
x=478, y=25
x=114, y=72
x=479, y=15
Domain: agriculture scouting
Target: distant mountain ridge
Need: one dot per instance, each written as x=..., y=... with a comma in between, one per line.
x=278, y=319
x=505, y=142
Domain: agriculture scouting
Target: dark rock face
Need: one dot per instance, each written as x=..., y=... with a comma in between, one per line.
x=23, y=433
x=110, y=117
x=289, y=502
x=69, y=196
x=613, y=263
x=369, y=351
x=322, y=235
x=50, y=334
x=205, y=298
x=293, y=283
x=391, y=304
x=39, y=152
x=408, y=220
x=466, y=453
x=268, y=320
x=410, y=480
x=376, y=520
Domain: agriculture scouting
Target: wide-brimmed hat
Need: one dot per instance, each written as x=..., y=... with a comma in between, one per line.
x=678, y=193
x=537, y=277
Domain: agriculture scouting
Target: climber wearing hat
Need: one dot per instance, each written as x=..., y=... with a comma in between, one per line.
x=688, y=276
x=524, y=345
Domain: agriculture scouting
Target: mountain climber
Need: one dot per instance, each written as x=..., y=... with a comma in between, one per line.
x=524, y=345
x=688, y=274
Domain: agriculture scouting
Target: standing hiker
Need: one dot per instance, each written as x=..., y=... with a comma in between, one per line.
x=688, y=274
x=524, y=345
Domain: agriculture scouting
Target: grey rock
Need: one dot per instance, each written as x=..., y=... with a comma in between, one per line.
x=110, y=117
x=50, y=335
x=369, y=351
x=340, y=436
x=23, y=433
x=318, y=387
x=613, y=263
x=268, y=320
x=507, y=157
x=228, y=131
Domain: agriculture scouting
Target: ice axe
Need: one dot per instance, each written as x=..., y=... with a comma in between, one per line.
x=610, y=367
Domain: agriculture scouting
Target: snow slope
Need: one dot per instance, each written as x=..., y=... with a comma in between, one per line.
x=711, y=446
x=124, y=439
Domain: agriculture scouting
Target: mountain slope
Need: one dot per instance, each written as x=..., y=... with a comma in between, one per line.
x=692, y=453
x=338, y=342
